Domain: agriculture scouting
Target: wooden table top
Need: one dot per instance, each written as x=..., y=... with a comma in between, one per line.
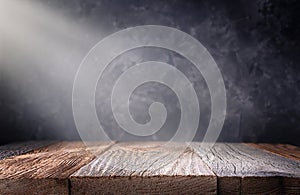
x=149, y=168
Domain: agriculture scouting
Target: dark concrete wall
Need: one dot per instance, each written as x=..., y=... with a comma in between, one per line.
x=255, y=44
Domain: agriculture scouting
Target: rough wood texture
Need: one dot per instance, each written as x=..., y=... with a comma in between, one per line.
x=247, y=170
x=15, y=149
x=286, y=150
x=149, y=168
x=45, y=171
x=145, y=168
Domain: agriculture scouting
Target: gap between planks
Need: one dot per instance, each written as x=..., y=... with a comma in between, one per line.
x=235, y=166
x=246, y=170
x=46, y=170
x=145, y=167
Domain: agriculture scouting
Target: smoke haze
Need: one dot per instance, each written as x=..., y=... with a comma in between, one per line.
x=254, y=43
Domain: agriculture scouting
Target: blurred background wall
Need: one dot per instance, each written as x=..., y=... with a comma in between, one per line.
x=255, y=44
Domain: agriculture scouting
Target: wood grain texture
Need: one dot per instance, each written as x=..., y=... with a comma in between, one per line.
x=285, y=150
x=148, y=168
x=15, y=149
x=247, y=170
x=46, y=170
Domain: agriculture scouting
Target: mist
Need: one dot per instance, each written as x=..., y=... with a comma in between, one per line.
x=42, y=44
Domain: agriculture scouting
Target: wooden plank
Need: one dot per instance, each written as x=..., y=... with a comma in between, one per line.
x=14, y=149
x=147, y=168
x=45, y=171
x=247, y=170
x=285, y=150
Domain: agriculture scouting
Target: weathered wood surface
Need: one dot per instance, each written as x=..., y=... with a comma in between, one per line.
x=146, y=168
x=285, y=150
x=18, y=148
x=150, y=168
x=247, y=170
x=45, y=171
